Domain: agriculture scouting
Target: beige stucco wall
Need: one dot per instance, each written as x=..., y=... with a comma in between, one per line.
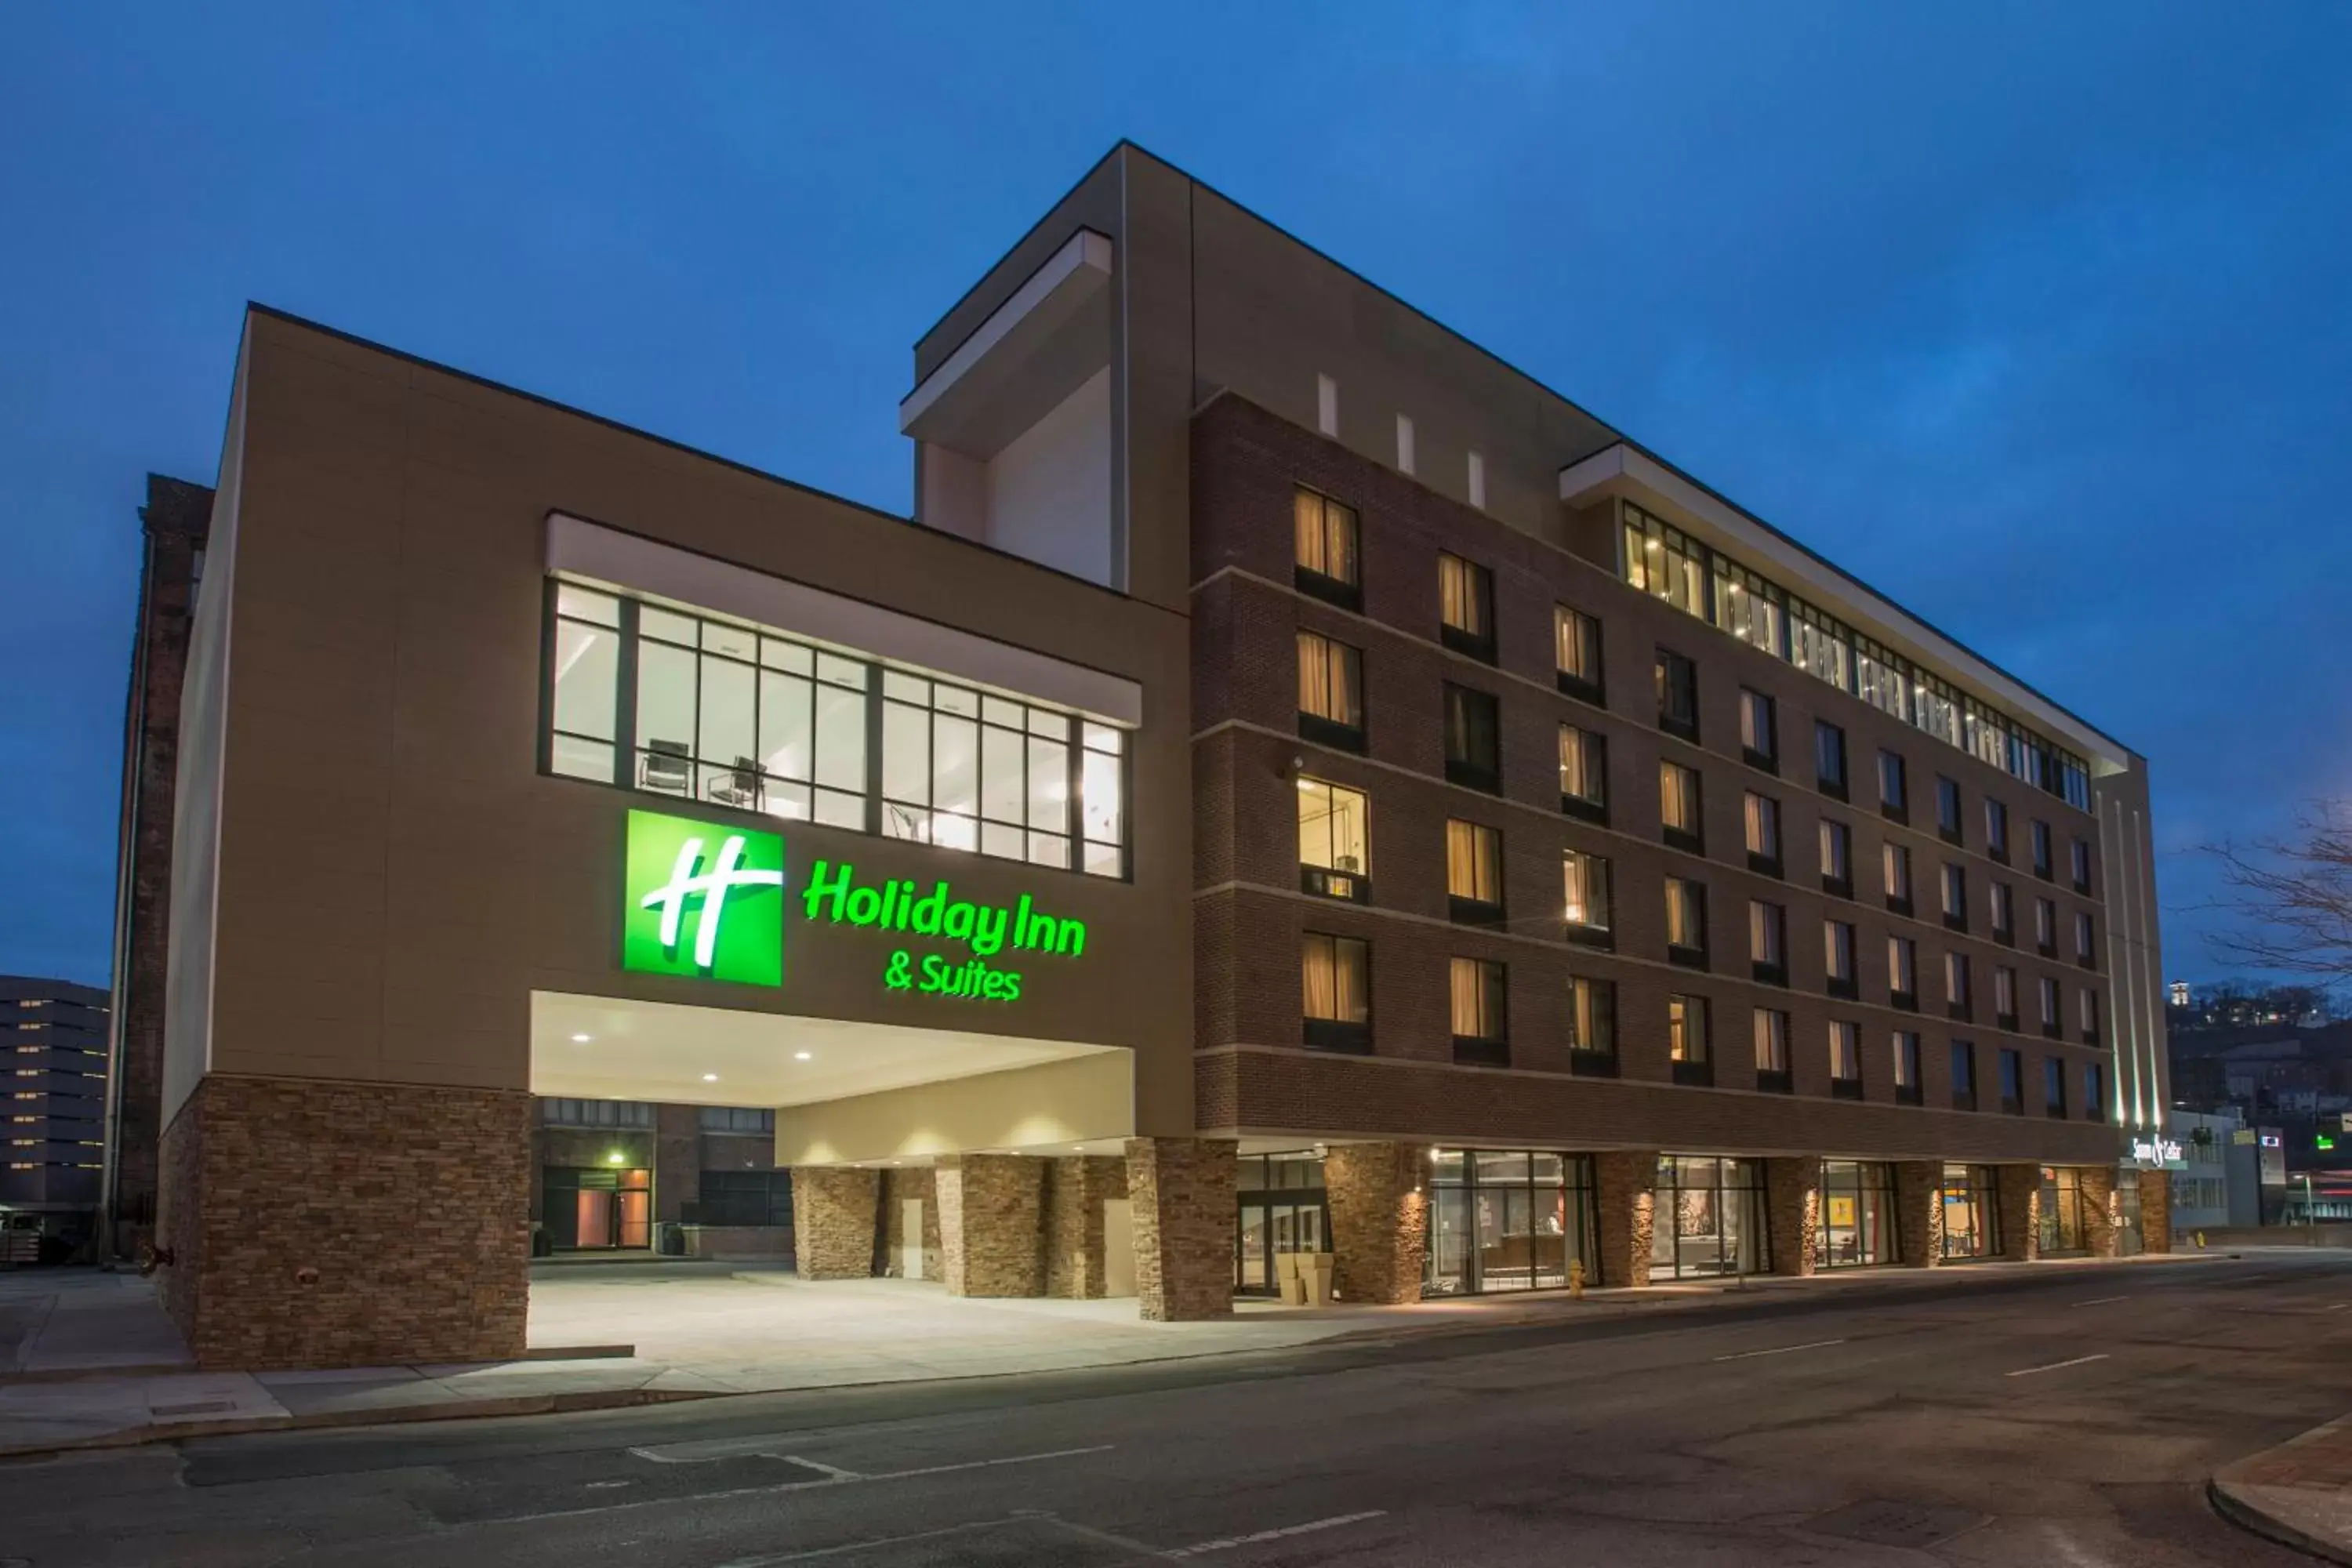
x=1040, y=1110
x=396, y=877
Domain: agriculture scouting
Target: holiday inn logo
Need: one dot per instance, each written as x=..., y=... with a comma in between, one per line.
x=703, y=900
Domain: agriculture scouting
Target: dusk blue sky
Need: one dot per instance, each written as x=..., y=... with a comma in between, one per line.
x=2031, y=316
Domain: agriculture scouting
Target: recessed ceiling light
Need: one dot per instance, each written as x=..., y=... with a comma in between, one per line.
x=711, y=1078
x=579, y=1039
x=803, y=1056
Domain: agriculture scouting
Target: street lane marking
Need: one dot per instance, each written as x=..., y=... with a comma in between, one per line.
x=821, y=1467
x=849, y=1546
x=1227, y=1543
x=1779, y=1350
x=2101, y=1300
x=2054, y=1366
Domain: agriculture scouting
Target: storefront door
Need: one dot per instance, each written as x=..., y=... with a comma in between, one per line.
x=594, y=1208
x=1282, y=1210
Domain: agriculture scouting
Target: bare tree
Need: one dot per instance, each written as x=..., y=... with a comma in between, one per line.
x=2293, y=897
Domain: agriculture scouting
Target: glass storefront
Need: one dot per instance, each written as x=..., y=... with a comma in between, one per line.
x=1507, y=1220
x=1857, y=1213
x=597, y=1207
x=1282, y=1210
x=1709, y=1217
x=1971, y=1221
x=2063, y=1227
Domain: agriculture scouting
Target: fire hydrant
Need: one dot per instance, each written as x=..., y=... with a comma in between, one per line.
x=1576, y=1278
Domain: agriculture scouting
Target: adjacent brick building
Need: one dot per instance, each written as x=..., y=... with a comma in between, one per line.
x=1296, y=788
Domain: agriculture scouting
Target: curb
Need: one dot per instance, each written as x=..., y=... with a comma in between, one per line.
x=2243, y=1513
x=388, y=1415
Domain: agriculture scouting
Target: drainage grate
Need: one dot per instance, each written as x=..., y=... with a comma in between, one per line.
x=1876, y=1521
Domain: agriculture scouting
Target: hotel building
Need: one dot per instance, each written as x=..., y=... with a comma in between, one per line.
x=1296, y=785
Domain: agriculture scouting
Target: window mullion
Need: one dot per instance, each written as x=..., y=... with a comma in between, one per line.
x=874, y=701
x=624, y=697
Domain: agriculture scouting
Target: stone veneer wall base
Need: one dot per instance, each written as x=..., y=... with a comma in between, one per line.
x=1627, y=1180
x=1919, y=1212
x=1378, y=1194
x=316, y=1223
x=2156, y=1210
x=1184, y=1206
x=2017, y=1199
x=833, y=1221
x=1792, y=1213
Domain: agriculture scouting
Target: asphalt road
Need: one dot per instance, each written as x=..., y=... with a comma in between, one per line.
x=2069, y=1419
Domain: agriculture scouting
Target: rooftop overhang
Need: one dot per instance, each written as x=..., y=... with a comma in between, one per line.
x=1031, y=353
x=1626, y=470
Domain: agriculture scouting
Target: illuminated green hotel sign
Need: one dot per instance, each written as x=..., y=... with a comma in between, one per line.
x=710, y=901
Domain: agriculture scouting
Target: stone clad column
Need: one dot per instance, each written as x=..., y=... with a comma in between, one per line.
x=1378, y=1194
x=1185, y=1212
x=2017, y=1197
x=1627, y=1198
x=833, y=1221
x=1077, y=1187
x=1920, y=1213
x=2156, y=1210
x=677, y=1158
x=2102, y=1216
x=1792, y=1212
x=992, y=1224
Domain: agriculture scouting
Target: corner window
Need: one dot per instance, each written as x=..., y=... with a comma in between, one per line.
x=735, y=715
x=1338, y=992
x=1677, y=695
x=1473, y=872
x=1759, y=738
x=1327, y=554
x=1576, y=645
x=1334, y=841
x=1481, y=1033
x=1466, y=595
x=1472, y=739
x=1330, y=691
x=1662, y=560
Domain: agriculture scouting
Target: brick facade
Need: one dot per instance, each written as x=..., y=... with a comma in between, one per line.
x=1625, y=1182
x=2102, y=1212
x=991, y=1224
x=1378, y=1194
x=1919, y=1212
x=1183, y=1196
x=1077, y=1187
x=2156, y=1210
x=1249, y=913
x=323, y=1223
x=176, y=521
x=833, y=1212
x=1792, y=1213
x=2017, y=1199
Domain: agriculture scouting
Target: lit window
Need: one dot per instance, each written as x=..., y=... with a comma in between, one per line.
x=1758, y=730
x=1678, y=802
x=1338, y=989
x=1687, y=1034
x=1333, y=839
x=1326, y=538
x=1771, y=1040
x=1592, y=1016
x=1583, y=770
x=1586, y=878
x=1686, y=915
x=1330, y=683
x=1763, y=823
x=1845, y=1051
x=1465, y=607
x=1575, y=639
x=1473, y=864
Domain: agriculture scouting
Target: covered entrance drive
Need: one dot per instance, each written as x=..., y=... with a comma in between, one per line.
x=996, y=1165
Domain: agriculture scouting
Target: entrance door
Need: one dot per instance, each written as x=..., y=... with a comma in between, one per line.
x=910, y=1238
x=1119, y=1247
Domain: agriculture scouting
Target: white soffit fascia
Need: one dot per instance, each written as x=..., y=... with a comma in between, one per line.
x=580, y=549
x=1087, y=251
x=1621, y=467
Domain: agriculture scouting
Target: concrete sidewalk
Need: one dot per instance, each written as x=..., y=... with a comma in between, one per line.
x=695, y=1334
x=2299, y=1493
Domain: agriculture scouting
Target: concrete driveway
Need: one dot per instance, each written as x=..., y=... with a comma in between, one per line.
x=760, y=1330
